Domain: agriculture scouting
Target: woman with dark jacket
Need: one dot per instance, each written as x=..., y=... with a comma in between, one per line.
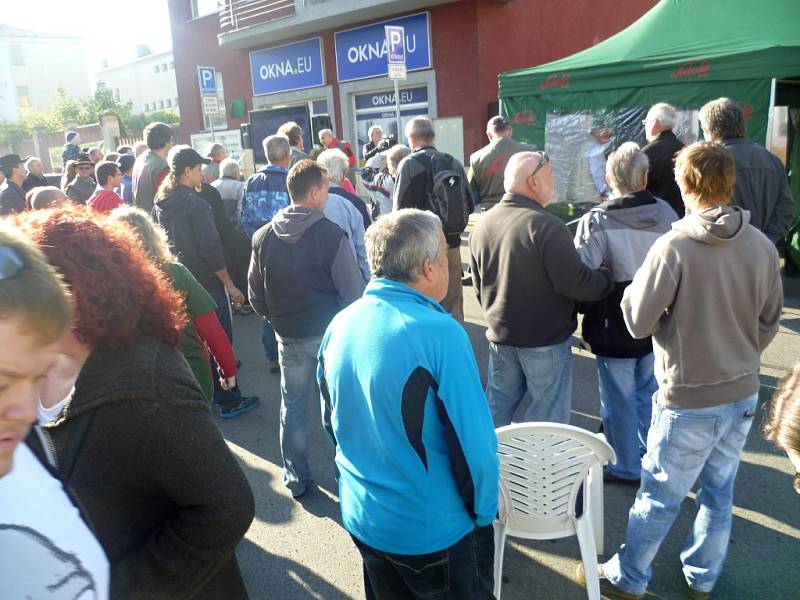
x=129, y=425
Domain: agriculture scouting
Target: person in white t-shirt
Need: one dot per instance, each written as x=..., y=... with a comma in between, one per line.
x=48, y=550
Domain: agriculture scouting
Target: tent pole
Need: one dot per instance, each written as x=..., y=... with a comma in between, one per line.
x=770, y=112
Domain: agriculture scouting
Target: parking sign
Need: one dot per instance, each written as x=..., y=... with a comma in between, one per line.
x=395, y=44
x=207, y=76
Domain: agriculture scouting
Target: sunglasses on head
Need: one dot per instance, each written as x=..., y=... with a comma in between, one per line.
x=11, y=264
x=545, y=159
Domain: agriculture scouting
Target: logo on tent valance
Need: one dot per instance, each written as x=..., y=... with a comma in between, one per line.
x=687, y=69
x=560, y=80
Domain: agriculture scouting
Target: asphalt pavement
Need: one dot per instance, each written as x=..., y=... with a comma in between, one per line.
x=298, y=549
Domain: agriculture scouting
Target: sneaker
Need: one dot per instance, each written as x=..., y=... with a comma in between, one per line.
x=274, y=365
x=695, y=595
x=607, y=589
x=246, y=404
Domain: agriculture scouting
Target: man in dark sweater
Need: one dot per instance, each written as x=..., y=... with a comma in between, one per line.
x=302, y=273
x=528, y=277
x=661, y=149
x=12, y=198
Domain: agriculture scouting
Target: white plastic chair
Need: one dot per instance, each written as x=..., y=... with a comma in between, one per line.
x=542, y=467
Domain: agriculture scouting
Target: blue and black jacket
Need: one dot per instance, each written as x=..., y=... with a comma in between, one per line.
x=403, y=403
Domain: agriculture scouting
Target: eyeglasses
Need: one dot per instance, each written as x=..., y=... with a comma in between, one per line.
x=545, y=159
x=10, y=263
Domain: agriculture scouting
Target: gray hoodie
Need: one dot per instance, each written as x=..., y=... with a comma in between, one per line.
x=710, y=294
x=302, y=272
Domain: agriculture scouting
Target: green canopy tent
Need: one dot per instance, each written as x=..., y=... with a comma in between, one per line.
x=685, y=52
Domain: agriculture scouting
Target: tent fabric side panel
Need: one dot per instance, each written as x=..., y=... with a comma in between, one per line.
x=528, y=113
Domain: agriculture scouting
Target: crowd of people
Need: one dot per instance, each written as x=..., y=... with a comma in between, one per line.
x=117, y=295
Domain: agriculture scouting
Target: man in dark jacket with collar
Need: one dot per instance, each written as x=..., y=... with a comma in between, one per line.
x=661, y=150
x=302, y=273
x=528, y=277
x=413, y=189
x=12, y=198
x=761, y=185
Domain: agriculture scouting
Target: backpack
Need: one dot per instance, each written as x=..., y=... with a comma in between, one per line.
x=448, y=196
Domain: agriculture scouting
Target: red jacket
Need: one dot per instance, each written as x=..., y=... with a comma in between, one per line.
x=346, y=148
x=104, y=201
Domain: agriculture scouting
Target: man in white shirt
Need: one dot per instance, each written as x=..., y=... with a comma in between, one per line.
x=48, y=550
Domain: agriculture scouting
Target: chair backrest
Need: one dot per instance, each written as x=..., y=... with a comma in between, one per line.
x=542, y=466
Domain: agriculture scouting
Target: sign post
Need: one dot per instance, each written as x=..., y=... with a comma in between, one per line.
x=396, y=55
x=207, y=78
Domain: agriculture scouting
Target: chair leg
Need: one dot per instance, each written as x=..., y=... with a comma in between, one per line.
x=594, y=493
x=499, y=549
x=584, y=529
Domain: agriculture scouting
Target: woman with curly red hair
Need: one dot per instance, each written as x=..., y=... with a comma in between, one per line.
x=130, y=427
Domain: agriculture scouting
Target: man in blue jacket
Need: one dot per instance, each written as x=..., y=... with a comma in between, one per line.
x=404, y=406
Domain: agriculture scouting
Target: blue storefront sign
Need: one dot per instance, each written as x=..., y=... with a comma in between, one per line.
x=289, y=67
x=362, y=52
x=381, y=100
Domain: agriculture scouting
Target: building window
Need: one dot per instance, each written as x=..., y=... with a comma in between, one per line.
x=201, y=8
x=172, y=65
x=160, y=104
x=155, y=69
x=116, y=94
x=17, y=59
x=168, y=103
x=23, y=98
x=175, y=102
x=163, y=67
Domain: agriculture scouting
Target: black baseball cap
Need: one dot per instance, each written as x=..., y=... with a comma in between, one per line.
x=185, y=157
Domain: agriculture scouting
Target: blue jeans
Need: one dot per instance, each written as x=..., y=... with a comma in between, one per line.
x=225, y=398
x=298, y=360
x=268, y=340
x=542, y=374
x=464, y=571
x=627, y=386
x=684, y=446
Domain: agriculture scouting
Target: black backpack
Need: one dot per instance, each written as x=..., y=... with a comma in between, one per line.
x=448, y=195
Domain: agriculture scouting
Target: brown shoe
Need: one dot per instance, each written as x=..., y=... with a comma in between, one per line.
x=607, y=589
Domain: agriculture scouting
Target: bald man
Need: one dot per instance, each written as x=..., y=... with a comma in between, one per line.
x=528, y=277
x=47, y=197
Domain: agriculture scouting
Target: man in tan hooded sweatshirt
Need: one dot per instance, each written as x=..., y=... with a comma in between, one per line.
x=710, y=294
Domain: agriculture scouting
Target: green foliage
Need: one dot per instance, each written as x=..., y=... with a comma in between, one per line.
x=83, y=112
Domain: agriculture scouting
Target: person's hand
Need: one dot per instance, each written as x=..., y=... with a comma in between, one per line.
x=236, y=296
x=604, y=267
x=227, y=383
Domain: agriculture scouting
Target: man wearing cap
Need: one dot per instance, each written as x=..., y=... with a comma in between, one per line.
x=486, y=166
x=216, y=155
x=71, y=148
x=151, y=167
x=12, y=198
x=83, y=186
x=35, y=178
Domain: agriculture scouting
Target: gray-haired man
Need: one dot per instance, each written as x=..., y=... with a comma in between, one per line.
x=761, y=184
x=661, y=149
x=431, y=180
x=415, y=446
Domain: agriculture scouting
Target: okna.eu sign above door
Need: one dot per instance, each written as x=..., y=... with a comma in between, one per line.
x=289, y=67
x=362, y=53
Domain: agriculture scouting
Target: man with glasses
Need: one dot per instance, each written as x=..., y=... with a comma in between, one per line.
x=528, y=277
x=12, y=198
x=83, y=186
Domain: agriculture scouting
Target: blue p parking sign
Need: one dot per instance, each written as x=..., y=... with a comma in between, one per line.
x=395, y=44
x=207, y=76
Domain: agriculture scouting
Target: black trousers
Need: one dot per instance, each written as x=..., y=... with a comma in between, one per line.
x=464, y=571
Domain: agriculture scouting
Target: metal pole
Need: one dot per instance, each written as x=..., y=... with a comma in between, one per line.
x=397, y=108
x=211, y=126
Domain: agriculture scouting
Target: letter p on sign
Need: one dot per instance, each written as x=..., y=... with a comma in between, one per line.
x=395, y=44
x=207, y=76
